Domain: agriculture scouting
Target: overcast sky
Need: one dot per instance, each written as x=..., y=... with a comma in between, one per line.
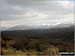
x=36, y=12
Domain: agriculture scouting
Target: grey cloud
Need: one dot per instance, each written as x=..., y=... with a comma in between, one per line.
x=11, y=8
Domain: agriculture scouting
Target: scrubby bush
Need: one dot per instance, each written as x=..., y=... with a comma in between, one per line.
x=52, y=51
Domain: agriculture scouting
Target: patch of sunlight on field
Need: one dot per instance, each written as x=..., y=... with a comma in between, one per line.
x=11, y=51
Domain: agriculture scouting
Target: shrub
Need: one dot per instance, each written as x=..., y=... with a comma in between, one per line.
x=52, y=51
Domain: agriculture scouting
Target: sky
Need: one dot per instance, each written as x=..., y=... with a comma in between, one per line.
x=36, y=12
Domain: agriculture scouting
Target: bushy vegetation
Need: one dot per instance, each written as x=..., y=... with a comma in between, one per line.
x=33, y=46
x=26, y=46
x=44, y=45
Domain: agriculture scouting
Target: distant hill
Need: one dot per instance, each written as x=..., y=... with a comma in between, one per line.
x=62, y=32
x=30, y=27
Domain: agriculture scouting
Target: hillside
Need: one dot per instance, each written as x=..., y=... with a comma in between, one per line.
x=66, y=33
x=38, y=41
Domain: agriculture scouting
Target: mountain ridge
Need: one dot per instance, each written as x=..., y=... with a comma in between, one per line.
x=28, y=27
x=66, y=33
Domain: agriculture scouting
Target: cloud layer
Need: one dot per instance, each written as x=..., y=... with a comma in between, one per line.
x=34, y=12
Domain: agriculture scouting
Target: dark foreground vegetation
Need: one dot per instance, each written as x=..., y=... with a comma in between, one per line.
x=37, y=42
